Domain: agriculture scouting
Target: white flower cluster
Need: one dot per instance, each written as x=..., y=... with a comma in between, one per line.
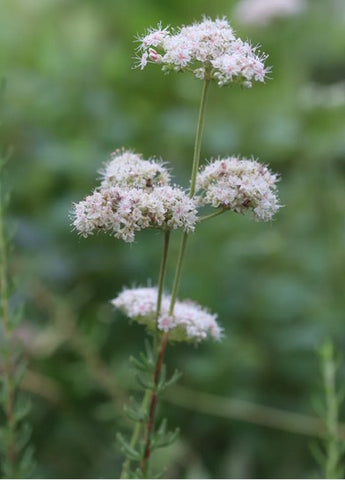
x=208, y=48
x=129, y=169
x=190, y=322
x=240, y=185
x=262, y=12
x=134, y=195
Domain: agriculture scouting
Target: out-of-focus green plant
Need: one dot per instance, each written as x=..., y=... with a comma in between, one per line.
x=280, y=291
x=331, y=455
x=15, y=452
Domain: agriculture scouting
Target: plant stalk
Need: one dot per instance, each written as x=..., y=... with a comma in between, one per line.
x=161, y=278
x=153, y=404
x=212, y=215
x=144, y=405
x=176, y=283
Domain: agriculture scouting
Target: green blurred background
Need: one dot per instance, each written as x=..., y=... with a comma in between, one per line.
x=72, y=97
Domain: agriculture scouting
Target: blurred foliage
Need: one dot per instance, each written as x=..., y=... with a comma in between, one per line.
x=72, y=98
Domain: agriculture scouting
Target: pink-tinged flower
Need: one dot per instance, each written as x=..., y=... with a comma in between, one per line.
x=154, y=38
x=190, y=322
x=127, y=168
x=123, y=211
x=154, y=56
x=207, y=48
x=239, y=185
x=134, y=194
x=263, y=12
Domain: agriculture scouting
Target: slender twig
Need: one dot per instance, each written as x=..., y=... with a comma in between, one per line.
x=153, y=403
x=148, y=395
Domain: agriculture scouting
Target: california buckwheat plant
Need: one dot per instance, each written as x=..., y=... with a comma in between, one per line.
x=135, y=194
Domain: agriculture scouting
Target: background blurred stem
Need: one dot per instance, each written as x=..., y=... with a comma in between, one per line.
x=334, y=448
x=9, y=388
x=243, y=410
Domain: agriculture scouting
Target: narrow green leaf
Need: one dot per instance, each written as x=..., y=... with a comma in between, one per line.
x=174, y=378
x=127, y=449
x=144, y=382
x=138, y=364
x=137, y=415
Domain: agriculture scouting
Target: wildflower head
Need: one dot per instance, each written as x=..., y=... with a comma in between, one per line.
x=239, y=185
x=189, y=323
x=129, y=169
x=123, y=211
x=207, y=49
x=134, y=194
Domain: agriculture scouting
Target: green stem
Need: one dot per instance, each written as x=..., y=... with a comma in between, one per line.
x=161, y=278
x=196, y=160
x=178, y=272
x=212, y=215
x=198, y=136
x=176, y=283
x=135, y=436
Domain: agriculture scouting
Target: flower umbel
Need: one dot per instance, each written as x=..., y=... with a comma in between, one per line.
x=190, y=322
x=129, y=169
x=207, y=49
x=134, y=194
x=122, y=211
x=240, y=185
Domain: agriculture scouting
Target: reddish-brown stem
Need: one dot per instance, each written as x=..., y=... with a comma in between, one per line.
x=153, y=403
